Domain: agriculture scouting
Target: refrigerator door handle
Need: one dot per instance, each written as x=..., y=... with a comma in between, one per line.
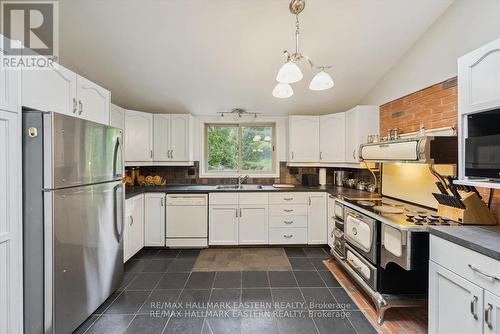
x=118, y=230
x=118, y=145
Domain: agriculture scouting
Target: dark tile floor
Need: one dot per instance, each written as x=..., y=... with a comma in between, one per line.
x=162, y=294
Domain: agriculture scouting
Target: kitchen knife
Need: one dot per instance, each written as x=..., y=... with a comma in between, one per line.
x=452, y=187
x=441, y=188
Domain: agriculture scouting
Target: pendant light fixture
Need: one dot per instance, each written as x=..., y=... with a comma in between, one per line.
x=290, y=72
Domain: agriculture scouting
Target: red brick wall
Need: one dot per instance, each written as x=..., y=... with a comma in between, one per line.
x=436, y=106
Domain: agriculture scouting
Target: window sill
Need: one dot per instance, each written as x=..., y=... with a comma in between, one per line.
x=235, y=175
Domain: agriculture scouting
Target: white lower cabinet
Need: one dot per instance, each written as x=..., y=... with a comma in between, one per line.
x=133, y=234
x=253, y=225
x=223, y=225
x=154, y=219
x=462, y=290
x=317, y=219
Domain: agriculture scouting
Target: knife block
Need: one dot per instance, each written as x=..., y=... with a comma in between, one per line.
x=476, y=212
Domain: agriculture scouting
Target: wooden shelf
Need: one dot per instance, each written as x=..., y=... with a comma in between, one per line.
x=482, y=183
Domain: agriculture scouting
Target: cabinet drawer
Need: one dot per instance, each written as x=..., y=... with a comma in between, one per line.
x=290, y=235
x=253, y=198
x=467, y=263
x=288, y=221
x=223, y=198
x=288, y=198
x=288, y=210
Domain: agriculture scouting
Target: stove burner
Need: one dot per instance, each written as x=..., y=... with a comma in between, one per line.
x=366, y=203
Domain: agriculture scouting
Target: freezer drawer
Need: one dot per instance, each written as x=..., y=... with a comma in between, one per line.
x=86, y=262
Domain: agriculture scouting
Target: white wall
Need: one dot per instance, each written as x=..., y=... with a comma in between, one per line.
x=465, y=26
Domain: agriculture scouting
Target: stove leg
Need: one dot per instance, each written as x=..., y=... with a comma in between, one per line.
x=381, y=306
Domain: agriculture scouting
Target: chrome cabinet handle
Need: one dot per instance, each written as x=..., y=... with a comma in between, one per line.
x=309, y=200
x=241, y=215
x=288, y=236
x=131, y=220
x=288, y=210
x=288, y=198
x=292, y=155
x=288, y=222
x=487, y=316
x=236, y=212
x=80, y=104
x=151, y=154
x=473, y=304
x=351, y=262
x=161, y=203
x=320, y=155
x=354, y=154
x=171, y=154
x=74, y=106
x=480, y=272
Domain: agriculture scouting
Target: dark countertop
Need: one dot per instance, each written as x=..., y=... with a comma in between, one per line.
x=205, y=189
x=482, y=239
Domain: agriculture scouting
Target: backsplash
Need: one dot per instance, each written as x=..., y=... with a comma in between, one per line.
x=289, y=175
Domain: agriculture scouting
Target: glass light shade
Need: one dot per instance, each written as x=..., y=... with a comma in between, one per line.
x=289, y=73
x=321, y=81
x=282, y=91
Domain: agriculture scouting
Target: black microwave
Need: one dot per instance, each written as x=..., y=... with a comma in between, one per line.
x=482, y=145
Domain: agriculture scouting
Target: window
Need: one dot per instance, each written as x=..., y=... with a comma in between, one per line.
x=239, y=149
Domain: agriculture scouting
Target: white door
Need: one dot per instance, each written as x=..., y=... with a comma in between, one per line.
x=138, y=136
x=9, y=89
x=10, y=224
x=253, y=225
x=154, y=219
x=223, y=225
x=117, y=117
x=162, y=135
x=134, y=226
x=332, y=138
x=455, y=304
x=479, y=79
x=93, y=101
x=317, y=218
x=180, y=137
x=50, y=90
x=351, y=136
x=303, y=138
x=491, y=313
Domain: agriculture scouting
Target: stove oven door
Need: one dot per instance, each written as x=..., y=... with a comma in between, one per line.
x=364, y=269
x=361, y=232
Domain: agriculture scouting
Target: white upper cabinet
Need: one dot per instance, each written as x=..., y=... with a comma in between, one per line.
x=479, y=79
x=117, y=117
x=52, y=89
x=161, y=137
x=138, y=136
x=173, y=137
x=360, y=122
x=332, y=138
x=303, y=139
x=93, y=101
x=61, y=90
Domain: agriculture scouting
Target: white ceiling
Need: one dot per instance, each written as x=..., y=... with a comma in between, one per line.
x=204, y=56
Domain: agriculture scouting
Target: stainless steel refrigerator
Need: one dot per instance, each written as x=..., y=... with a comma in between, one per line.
x=73, y=199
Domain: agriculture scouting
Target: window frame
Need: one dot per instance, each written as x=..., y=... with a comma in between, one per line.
x=205, y=173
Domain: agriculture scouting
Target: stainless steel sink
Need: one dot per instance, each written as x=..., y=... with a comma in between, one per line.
x=236, y=187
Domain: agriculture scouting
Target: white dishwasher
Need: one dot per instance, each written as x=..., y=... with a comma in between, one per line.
x=187, y=220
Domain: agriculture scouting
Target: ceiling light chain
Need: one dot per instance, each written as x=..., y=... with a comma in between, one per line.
x=290, y=73
x=238, y=112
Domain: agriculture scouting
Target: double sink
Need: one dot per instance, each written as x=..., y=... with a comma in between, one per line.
x=239, y=187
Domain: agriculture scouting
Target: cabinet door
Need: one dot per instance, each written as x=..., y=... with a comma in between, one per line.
x=253, y=225
x=50, y=90
x=10, y=224
x=117, y=117
x=180, y=137
x=154, y=219
x=223, y=225
x=303, y=138
x=332, y=138
x=491, y=313
x=479, y=79
x=317, y=219
x=134, y=226
x=138, y=136
x=455, y=304
x=93, y=101
x=162, y=135
x=351, y=136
